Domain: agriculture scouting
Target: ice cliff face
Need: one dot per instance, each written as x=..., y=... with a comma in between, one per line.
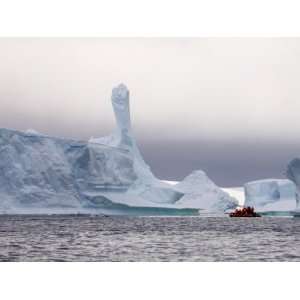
x=271, y=195
x=41, y=174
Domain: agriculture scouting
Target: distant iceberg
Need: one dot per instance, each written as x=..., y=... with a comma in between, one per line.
x=42, y=174
x=293, y=173
x=271, y=195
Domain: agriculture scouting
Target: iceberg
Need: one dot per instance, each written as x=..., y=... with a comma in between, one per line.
x=293, y=173
x=271, y=195
x=40, y=174
x=237, y=192
x=200, y=192
x=43, y=174
x=147, y=186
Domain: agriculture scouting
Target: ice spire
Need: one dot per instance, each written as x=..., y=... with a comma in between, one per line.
x=122, y=136
x=120, y=103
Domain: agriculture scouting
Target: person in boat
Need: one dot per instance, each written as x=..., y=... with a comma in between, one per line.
x=244, y=212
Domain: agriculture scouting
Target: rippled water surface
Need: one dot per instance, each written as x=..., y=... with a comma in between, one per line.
x=86, y=238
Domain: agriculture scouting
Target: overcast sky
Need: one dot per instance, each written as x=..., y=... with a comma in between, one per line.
x=227, y=106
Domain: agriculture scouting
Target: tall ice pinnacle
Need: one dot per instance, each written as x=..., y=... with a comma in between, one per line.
x=122, y=136
x=147, y=185
x=120, y=103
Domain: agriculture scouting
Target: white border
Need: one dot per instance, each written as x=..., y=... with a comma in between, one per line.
x=148, y=281
x=149, y=18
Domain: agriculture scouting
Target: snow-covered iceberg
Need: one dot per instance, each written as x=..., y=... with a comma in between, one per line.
x=42, y=174
x=271, y=195
x=199, y=191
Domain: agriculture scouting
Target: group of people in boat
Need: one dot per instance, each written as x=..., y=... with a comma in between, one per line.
x=244, y=212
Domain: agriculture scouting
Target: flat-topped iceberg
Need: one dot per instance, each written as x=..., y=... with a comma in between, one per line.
x=50, y=175
x=42, y=174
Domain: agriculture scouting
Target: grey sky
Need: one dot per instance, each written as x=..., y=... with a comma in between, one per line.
x=228, y=106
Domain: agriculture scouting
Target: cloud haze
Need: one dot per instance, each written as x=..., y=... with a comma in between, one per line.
x=228, y=106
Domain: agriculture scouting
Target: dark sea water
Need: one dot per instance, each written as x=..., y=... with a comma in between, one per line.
x=87, y=238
